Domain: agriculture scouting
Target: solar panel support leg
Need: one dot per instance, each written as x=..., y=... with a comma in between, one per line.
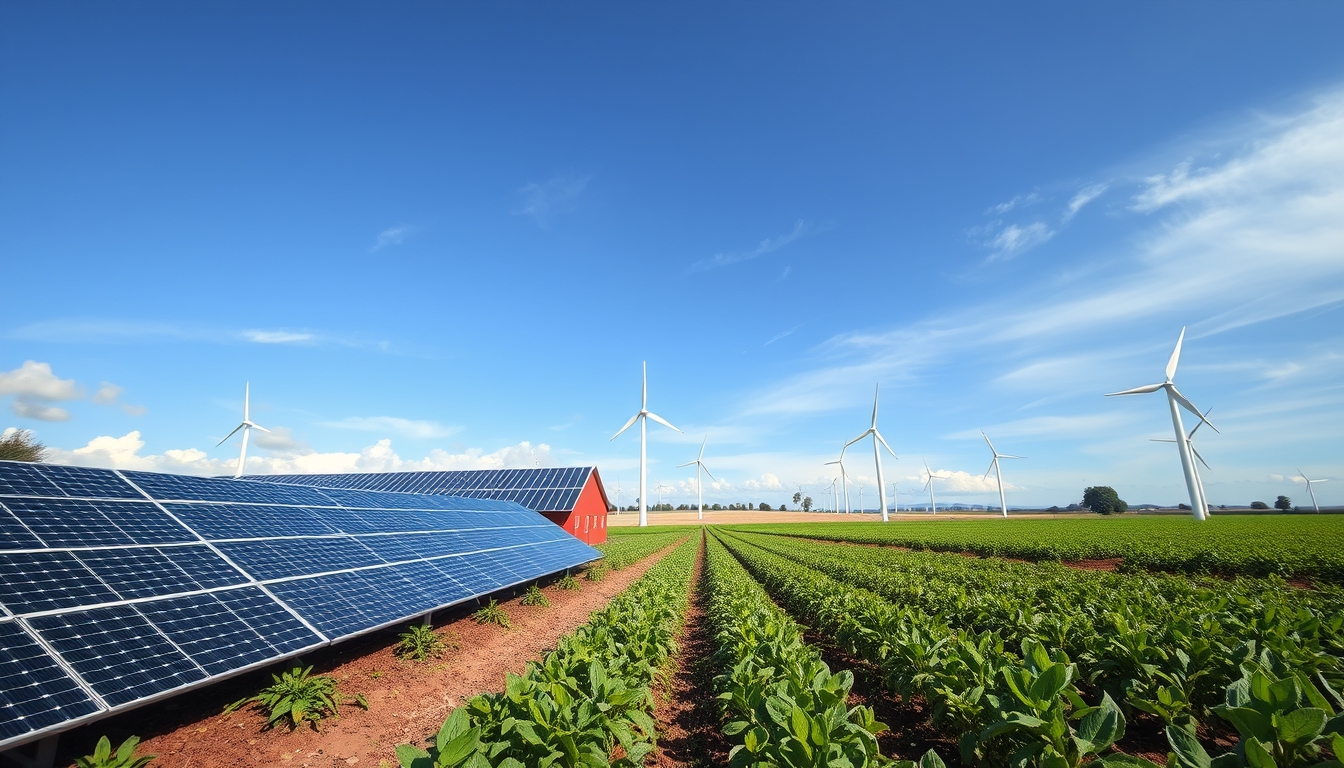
x=429, y=619
x=43, y=754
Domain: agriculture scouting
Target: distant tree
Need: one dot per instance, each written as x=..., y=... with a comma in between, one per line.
x=797, y=499
x=765, y=507
x=807, y=503
x=783, y=507
x=1073, y=508
x=1259, y=505
x=20, y=445
x=1052, y=509
x=1103, y=500
x=1283, y=503
x=1183, y=506
x=751, y=505
x=716, y=506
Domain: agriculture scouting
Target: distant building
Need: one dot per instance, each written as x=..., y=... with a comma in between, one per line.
x=571, y=497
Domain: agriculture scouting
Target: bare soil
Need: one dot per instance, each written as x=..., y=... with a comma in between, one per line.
x=685, y=709
x=408, y=701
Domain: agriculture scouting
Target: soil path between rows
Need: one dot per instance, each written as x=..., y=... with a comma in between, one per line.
x=407, y=701
x=684, y=709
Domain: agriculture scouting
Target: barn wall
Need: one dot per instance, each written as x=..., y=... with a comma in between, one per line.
x=591, y=513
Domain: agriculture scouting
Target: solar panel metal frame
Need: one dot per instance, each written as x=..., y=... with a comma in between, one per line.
x=510, y=515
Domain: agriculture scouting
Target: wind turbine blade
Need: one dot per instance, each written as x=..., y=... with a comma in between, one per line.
x=258, y=426
x=830, y=462
x=702, y=448
x=1189, y=406
x=1006, y=456
x=991, y=445
x=711, y=477
x=644, y=389
x=663, y=421
x=875, y=387
x=1201, y=458
x=855, y=440
x=1137, y=390
x=231, y=434
x=991, y=467
x=1161, y=440
x=880, y=439
x=1175, y=355
x=687, y=464
x=628, y=424
x=247, y=394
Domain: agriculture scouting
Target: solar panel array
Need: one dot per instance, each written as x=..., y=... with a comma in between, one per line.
x=553, y=489
x=120, y=587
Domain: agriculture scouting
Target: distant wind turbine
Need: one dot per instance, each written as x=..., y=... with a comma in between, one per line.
x=1176, y=401
x=928, y=485
x=662, y=488
x=835, y=495
x=247, y=426
x=699, y=465
x=643, y=418
x=877, y=457
x=1190, y=441
x=1303, y=475
x=998, y=470
x=844, y=477
x=620, y=497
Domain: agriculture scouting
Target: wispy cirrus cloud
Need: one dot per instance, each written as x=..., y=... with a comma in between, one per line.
x=390, y=237
x=259, y=336
x=542, y=201
x=769, y=245
x=418, y=429
x=1083, y=197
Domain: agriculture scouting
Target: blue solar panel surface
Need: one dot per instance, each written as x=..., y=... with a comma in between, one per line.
x=120, y=586
x=552, y=489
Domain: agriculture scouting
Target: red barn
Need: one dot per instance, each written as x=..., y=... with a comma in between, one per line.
x=571, y=497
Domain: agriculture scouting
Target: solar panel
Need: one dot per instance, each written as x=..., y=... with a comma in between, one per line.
x=551, y=489
x=117, y=586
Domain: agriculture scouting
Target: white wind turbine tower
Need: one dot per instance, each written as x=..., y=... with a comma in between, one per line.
x=1303, y=475
x=877, y=457
x=995, y=467
x=699, y=465
x=835, y=495
x=844, y=478
x=928, y=484
x=1175, y=401
x=643, y=418
x=620, y=497
x=247, y=426
x=1190, y=441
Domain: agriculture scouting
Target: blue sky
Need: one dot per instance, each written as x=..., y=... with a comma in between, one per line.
x=438, y=235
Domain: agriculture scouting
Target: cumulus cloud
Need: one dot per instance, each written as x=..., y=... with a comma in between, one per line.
x=766, y=482
x=107, y=394
x=35, y=380
x=31, y=409
x=958, y=482
x=125, y=453
x=419, y=429
x=559, y=194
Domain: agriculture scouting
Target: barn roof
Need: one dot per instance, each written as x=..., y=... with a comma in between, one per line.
x=544, y=489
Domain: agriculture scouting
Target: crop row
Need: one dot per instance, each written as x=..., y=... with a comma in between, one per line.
x=782, y=704
x=1290, y=546
x=588, y=701
x=620, y=551
x=954, y=648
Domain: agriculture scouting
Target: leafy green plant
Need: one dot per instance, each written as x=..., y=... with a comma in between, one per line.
x=420, y=642
x=534, y=596
x=124, y=757
x=596, y=573
x=568, y=583
x=296, y=695
x=492, y=614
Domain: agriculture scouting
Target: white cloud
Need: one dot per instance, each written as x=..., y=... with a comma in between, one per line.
x=107, y=394
x=766, y=482
x=35, y=380
x=276, y=337
x=32, y=409
x=1012, y=239
x=559, y=194
x=953, y=483
x=768, y=245
x=1020, y=200
x=414, y=428
x=1085, y=195
x=389, y=237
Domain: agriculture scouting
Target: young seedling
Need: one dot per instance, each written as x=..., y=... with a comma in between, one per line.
x=124, y=757
x=297, y=696
x=492, y=614
x=535, y=597
x=420, y=643
x=568, y=583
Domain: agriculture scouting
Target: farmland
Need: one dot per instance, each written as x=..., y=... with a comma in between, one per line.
x=799, y=650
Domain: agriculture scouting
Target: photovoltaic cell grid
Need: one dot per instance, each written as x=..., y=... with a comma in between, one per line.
x=117, y=587
x=554, y=489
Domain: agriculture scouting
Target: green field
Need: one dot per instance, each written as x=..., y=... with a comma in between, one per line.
x=1290, y=546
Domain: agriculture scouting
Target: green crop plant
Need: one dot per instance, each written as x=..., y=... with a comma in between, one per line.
x=595, y=573
x=783, y=705
x=297, y=696
x=124, y=757
x=622, y=550
x=420, y=642
x=492, y=613
x=568, y=583
x=534, y=596
x=588, y=702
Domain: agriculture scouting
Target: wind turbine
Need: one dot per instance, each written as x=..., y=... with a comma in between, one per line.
x=643, y=418
x=620, y=497
x=699, y=465
x=1303, y=475
x=933, y=503
x=247, y=426
x=1190, y=440
x=835, y=495
x=998, y=470
x=877, y=457
x=660, y=488
x=861, y=499
x=1176, y=401
x=844, y=478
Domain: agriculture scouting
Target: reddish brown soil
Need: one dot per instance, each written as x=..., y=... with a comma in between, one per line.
x=408, y=701
x=1109, y=564
x=685, y=710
